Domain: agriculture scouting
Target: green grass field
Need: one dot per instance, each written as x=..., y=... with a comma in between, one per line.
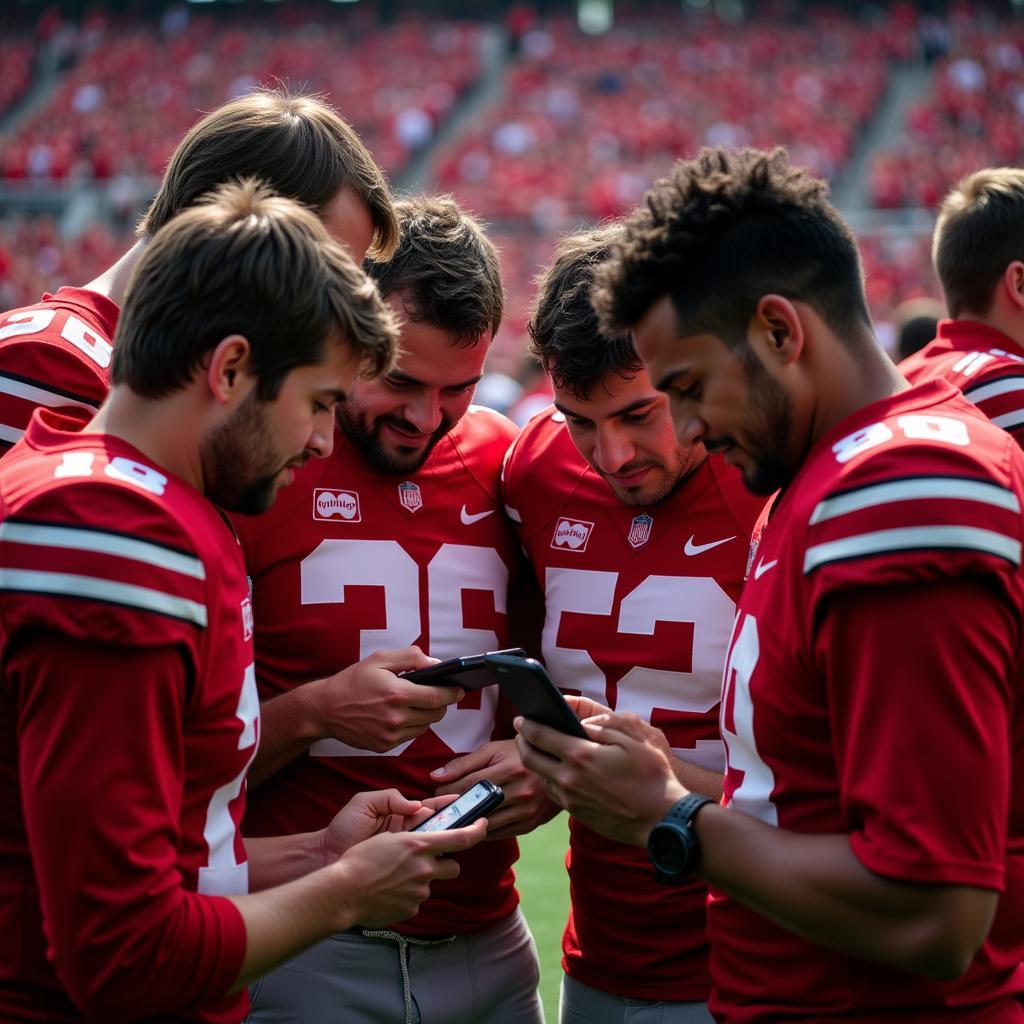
x=544, y=887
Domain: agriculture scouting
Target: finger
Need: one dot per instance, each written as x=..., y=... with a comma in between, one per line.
x=585, y=707
x=543, y=737
x=536, y=759
x=465, y=784
x=459, y=766
x=430, y=698
x=455, y=839
x=436, y=803
x=405, y=659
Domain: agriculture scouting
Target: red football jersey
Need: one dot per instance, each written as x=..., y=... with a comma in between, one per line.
x=120, y=800
x=844, y=712
x=639, y=607
x=986, y=365
x=350, y=561
x=55, y=354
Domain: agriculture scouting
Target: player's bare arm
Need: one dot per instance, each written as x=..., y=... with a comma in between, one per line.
x=379, y=881
x=621, y=783
x=526, y=804
x=365, y=705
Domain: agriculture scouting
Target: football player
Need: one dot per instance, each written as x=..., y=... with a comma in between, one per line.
x=128, y=703
x=867, y=863
x=398, y=539
x=979, y=259
x=57, y=352
x=640, y=543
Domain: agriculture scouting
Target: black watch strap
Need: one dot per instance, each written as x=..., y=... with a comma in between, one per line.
x=675, y=834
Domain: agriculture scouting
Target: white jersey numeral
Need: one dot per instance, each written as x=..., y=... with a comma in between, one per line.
x=757, y=780
x=75, y=331
x=223, y=874
x=335, y=565
x=697, y=600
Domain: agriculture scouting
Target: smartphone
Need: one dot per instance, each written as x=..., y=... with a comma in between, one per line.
x=473, y=804
x=471, y=672
x=527, y=684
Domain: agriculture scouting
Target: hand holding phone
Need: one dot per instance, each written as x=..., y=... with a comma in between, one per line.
x=526, y=683
x=470, y=672
x=473, y=804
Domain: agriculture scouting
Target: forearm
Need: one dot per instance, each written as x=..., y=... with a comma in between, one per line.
x=289, y=725
x=814, y=886
x=279, y=859
x=697, y=779
x=281, y=922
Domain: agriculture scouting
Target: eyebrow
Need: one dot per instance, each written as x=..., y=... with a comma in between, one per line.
x=624, y=411
x=404, y=378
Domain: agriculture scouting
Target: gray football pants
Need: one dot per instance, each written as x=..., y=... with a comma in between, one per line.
x=487, y=978
x=581, y=1004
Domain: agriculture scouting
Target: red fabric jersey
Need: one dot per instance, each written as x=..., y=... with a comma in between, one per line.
x=986, y=365
x=639, y=607
x=54, y=354
x=350, y=561
x=121, y=780
x=846, y=710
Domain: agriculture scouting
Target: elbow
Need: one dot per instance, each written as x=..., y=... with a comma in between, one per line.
x=944, y=945
x=945, y=962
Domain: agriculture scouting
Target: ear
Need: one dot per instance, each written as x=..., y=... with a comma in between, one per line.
x=228, y=371
x=777, y=330
x=1013, y=284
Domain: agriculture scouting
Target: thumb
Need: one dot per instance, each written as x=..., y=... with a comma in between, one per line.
x=389, y=801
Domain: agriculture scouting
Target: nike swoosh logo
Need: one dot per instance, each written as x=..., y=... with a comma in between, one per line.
x=763, y=566
x=468, y=519
x=695, y=549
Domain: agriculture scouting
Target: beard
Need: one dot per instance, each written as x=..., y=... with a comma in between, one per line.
x=769, y=468
x=366, y=439
x=241, y=464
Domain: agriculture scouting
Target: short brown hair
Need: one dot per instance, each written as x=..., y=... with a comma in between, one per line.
x=564, y=332
x=299, y=145
x=445, y=269
x=244, y=261
x=979, y=231
x=725, y=229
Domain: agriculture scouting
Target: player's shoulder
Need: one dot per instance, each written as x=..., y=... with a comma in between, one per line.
x=542, y=469
x=483, y=434
x=106, y=547
x=928, y=489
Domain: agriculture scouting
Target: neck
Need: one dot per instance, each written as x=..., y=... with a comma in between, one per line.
x=848, y=379
x=168, y=431
x=1008, y=322
x=113, y=282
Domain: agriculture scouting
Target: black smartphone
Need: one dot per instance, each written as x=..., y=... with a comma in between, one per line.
x=527, y=684
x=470, y=672
x=473, y=804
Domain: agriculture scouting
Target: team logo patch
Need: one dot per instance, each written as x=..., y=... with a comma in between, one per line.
x=572, y=534
x=640, y=530
x=409, y=495
x=334, y=504
x=246, y=619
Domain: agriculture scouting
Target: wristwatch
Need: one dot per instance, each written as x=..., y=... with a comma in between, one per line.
x=673, y=846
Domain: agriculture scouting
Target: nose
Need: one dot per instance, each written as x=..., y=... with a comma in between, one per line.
x=321, y=439
x=424, y=411
x=613, y=449
x=690, y=429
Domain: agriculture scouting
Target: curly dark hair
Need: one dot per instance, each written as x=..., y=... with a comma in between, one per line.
x=445, y=268
x=724, y=230
x=563, y=326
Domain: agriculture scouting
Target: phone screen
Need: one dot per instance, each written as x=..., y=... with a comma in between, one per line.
x=458, y=809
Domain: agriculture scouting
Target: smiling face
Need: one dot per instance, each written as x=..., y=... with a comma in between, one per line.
x=624, y=431
x=721, y=397
x=396, y=420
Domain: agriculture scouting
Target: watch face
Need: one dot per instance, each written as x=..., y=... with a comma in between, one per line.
x=667, y=849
